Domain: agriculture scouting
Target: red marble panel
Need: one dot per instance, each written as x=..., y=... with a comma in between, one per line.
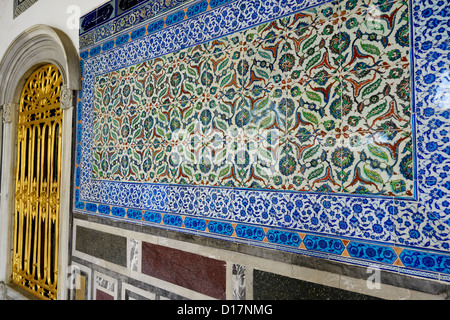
x=191, y=271
x=100, y=295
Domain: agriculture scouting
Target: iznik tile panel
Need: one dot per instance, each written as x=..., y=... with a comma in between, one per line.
x=308, y=126
x=302, y=103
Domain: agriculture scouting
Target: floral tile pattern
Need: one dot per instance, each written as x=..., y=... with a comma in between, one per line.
x=319, y=89
x=287, y=124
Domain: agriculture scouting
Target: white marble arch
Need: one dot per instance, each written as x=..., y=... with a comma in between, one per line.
x=34, y=47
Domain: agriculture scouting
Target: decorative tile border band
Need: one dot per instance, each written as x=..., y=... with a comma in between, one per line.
x=110, y=27
x=106, y=21
x=383, y=256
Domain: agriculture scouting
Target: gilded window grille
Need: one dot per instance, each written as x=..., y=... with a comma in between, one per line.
x=37, y=184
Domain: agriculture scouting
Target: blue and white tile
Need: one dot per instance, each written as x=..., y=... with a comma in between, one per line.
x=431, y=64
x=366, y=218
x=430, y=20
x=431, y=104
x=434, y=194
x=416, y=227
x=433, y=147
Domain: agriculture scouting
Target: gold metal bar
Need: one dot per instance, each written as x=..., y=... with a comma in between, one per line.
x=57, y=203
x=49, y=221
x=29, y=208
x=18, y=205
x=37, y=232
x=42, y=209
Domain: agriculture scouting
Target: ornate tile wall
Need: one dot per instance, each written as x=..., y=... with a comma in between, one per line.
x=308, y=126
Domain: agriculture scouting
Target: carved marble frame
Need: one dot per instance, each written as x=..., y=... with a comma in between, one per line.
x=33, y=48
